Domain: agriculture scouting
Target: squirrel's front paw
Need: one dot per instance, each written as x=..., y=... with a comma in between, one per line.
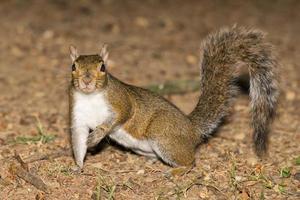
x=76, y=169
x=103, y=127
x=97, y=135
x=92, y=139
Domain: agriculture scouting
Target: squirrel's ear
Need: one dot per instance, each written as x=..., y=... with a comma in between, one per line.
x=104, y=53
x=73, y=53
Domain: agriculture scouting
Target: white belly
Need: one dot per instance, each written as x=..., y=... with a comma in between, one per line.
x=90, y=110
x=142, y=147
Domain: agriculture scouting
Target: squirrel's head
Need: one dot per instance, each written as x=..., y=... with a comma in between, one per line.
x=89, y=71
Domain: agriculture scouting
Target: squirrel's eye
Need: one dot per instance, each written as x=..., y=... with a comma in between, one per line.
x=73, y=67
x=102, y=69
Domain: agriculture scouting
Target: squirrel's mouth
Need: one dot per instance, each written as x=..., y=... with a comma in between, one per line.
x=87, y=88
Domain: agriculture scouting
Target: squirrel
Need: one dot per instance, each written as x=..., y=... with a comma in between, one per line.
x=148, y=124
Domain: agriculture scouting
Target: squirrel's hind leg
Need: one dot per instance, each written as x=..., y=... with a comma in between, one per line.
x=174, y=145
x=175, y=156
x=182, y=162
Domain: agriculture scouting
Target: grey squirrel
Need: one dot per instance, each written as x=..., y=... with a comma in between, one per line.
x=150, y=125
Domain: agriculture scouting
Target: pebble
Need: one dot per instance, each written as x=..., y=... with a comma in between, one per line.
x=142, y=22
x=239, y=136
x=240, y=178
x=191, y=59
x=290, y=96
x=16, y=51
x=111, y=28
x=297, y=176
x=48, y=34
x=141, y=171
x=54, y=184
x=251, y=160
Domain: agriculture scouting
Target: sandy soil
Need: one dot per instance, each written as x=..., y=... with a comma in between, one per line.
x=150, y=42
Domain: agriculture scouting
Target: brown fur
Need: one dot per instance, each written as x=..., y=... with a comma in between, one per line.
x=146, y=115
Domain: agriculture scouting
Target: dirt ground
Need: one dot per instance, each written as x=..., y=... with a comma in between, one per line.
x=150, y=42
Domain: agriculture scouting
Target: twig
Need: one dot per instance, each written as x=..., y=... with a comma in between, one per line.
x=3, y=181
x=152, y=169
x=227, y=138
x=55, y=154
x=206, y=185
x=119, y=171
x=22, y=170
x=20, y=160
x=28, y=177
x=125, y=171
x=6, y=132
x=285, y=131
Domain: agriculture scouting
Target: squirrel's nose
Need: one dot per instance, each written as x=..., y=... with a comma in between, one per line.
x=86, y=80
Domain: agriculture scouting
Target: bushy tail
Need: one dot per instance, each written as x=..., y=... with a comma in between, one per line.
x=222, y=55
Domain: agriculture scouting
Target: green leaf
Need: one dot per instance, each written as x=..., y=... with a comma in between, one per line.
x=281, y=189
x=285, y=172
x=41, y=136
x=297, y=161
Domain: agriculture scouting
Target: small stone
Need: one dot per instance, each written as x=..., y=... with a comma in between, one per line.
x=239, y=136
x=206, y=167
x=141, y=171
x=240, y=178
x=29, y=119
x=166, y=23
x=4, y=181
x=76, y=195
x=142, y=22
x=251, y=160
x=203, y=193
x=207, y=178
x=85, y=10
x=244, y=195
x=39, y=94
x=191, y=59
x=297, y=176
x=111, y=28
x=48, y=34
x=16, y=51
x=54, y=184
x=10, y=126
x=290, y=95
